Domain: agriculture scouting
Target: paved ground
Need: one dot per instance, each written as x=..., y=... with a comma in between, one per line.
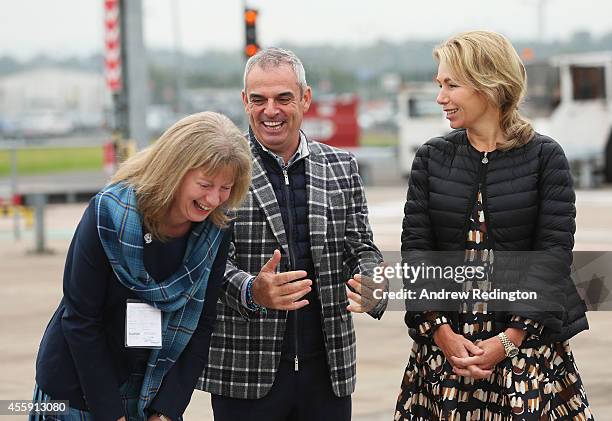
x=31, y=289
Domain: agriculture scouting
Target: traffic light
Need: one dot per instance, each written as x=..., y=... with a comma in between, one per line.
x=250, y=19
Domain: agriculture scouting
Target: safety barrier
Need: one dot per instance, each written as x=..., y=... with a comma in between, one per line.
x=25, y=212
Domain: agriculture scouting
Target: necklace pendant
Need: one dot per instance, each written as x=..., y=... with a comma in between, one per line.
x=485, y=160
x=148, y=238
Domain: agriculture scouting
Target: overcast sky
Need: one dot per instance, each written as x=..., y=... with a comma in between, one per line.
x=62, y=28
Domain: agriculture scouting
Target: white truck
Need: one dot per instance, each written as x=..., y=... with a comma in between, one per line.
x=419, y=118
x=569, y=98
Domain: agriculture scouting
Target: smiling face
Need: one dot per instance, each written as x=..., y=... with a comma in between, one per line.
x=198, y=195
x=464, y=106
x=276, y=107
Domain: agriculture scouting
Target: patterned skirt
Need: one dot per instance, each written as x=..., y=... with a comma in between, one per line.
x=538, y=384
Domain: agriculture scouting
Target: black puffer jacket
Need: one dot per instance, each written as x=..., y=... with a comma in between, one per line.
x=529, y=205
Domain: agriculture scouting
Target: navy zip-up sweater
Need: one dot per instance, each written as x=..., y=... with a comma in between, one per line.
x=293, y=204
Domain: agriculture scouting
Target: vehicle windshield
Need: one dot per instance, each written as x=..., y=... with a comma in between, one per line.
x=423, y=105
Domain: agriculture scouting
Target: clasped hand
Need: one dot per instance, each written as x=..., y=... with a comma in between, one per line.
x=467, y=358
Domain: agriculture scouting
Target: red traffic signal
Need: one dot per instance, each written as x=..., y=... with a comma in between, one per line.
x=250, y=50
x=250, y=20
x=250, y=16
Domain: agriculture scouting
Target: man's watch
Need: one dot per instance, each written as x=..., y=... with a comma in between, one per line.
x=509, y=348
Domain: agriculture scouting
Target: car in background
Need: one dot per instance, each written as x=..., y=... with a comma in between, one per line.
x=43, y=123
x=7, y=128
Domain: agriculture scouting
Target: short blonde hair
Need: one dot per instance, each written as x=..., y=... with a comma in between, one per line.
x=207, y=140
x=487, y=62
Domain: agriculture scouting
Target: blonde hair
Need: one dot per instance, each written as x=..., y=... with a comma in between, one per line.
x=487, y=62
x=207, y=140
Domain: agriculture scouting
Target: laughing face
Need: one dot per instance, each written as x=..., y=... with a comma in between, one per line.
x=276, y=107
x=464, y=106
x=199, y=194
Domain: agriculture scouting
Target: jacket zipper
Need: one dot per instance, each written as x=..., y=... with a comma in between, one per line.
x=296, y=365
x=482, y=185
x=481, y=172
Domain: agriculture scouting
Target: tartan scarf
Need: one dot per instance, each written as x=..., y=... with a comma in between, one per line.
x=180, y=297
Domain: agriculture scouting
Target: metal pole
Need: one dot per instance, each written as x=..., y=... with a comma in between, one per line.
x=178, y=60
x=39, y=214
x=541, y=16
x=135, y=76
x=14, y=178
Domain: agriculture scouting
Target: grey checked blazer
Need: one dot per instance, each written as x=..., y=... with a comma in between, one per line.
x=246, y=346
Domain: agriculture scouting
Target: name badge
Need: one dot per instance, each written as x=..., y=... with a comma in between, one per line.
x=142, y=326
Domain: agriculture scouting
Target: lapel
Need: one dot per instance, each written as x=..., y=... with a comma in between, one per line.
x=316, y=190
x=264, y=194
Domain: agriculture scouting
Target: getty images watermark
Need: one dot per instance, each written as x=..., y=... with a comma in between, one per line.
x=455, y=277
x=510, y=281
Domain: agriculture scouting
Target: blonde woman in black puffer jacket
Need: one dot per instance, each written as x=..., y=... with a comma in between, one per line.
x=498, y=193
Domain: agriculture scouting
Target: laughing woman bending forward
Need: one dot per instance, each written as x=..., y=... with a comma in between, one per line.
x=130, y=336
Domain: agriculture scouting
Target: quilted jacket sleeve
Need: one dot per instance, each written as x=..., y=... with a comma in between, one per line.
x=417, y=232
x=553, y=241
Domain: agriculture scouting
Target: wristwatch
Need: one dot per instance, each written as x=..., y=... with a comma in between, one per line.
x=509, y=348
x=162, y=417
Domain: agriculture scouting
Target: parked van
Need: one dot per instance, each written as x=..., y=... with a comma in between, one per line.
x=569, y=98
x=419, y=118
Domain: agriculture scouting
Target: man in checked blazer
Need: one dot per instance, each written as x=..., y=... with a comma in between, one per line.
x=284, y=344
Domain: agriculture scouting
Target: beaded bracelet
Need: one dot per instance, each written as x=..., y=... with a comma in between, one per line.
x=250, y=302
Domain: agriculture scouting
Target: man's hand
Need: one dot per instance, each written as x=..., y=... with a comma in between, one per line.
x=362, y=298
x=457, y=348
x=276, y=290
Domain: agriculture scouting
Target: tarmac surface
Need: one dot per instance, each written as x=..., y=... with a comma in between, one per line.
x=31, y=286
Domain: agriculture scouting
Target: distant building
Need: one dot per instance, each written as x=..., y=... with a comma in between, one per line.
x=80, y=95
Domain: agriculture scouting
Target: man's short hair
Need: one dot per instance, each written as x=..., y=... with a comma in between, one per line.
x=275, y=57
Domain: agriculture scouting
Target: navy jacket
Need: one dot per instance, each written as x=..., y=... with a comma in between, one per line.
x=82, y=357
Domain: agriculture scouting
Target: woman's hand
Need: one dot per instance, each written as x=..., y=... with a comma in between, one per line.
x=476, y=366
x=456, y=347
x=493, y=353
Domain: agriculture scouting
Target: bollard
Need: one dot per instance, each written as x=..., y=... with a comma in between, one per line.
x=364, y=173
x=585, y=180
x=15, y=195
x=39, y=212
